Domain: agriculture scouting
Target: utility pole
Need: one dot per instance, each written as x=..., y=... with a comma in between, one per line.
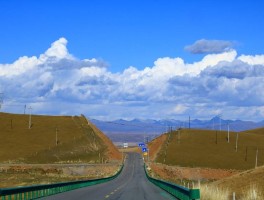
x=178, y=133
x=148, y=154
x=256, y=164
x=29, y=123
x=56, y=136
x=236, y=140
x=189, y=122
x=220, y=122
x=246, y=153
x=25, y=107
x=216, y=137
x=227, y=132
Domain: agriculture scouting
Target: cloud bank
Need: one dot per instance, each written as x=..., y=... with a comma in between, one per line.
x=209, y=46
x=56, y=82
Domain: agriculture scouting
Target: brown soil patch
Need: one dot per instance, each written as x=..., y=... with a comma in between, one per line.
x=175, y=174
x=130, y=149
x=112, y=150
x=24, y=175
x=155, y=146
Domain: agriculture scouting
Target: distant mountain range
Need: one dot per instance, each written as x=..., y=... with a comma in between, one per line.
x=137, y=130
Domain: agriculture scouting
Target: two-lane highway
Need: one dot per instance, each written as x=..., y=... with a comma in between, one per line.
x=131, y=184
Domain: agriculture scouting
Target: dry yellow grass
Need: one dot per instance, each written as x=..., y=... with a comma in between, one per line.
x=78, y=141
x=256, y=131
x=209, y=192
x=249, y=180
x=156, y=145
x=203, y=148
x=213, y=193
x=24, y=175
x=207, y=148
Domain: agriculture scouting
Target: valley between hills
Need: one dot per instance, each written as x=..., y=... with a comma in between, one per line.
x=65, y=148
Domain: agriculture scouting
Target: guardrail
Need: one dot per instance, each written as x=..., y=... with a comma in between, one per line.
x=178, y=191
x=37, y=191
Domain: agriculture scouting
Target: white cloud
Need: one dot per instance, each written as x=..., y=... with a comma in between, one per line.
x=22, y=65
x=179, y=109
x=57, y=50
x=211, y=60
x=57, y=82
x=252, y=60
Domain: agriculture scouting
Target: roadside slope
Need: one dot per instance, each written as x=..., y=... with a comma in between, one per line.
x=244, y=181
x=211, y=149
x=112, y=151
x=52, y=139
x=256, y=131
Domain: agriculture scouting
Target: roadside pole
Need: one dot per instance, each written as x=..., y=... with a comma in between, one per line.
x=56, y=136
x=29, y=121
x=148, y=153
x=228, y=132
x=236, y=140
x=256, y=164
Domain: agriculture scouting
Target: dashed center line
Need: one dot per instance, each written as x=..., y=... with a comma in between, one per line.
x=107, y=196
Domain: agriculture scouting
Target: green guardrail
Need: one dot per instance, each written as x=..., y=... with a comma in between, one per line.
x=177, y=191
x=38, y=191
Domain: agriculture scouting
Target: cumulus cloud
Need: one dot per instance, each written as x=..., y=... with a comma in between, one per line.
x=252, y=60
x=209, y=46
x=57, y=50
x=56, y=82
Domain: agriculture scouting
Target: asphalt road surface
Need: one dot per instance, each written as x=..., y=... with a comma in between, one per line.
x=131, y=184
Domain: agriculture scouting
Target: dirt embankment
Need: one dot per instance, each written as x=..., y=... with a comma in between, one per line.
x=23, y=175
x=176, y=174
x=112, y=151
x=155, y=146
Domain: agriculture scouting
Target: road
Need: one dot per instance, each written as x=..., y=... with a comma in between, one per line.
x=131, y=184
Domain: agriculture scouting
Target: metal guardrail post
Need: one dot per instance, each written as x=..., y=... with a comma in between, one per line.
x=194, y=194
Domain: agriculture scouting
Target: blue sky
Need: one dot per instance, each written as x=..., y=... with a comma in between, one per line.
x=116, y=58
x=125, y=33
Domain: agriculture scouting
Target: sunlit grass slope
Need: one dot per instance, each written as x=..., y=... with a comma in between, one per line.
x=207, y=148
x=256, y=131
x=77, y=140
x=245, y=181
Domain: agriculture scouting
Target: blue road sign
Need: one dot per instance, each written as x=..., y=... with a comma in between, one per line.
x=141, y=144
x=144, y=149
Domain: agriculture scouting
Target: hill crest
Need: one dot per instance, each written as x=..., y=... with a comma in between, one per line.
x=53, y=139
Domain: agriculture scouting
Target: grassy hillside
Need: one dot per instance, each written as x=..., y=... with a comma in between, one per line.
x=77, y=140
x=155, y=146
x=256, y=131
x=207, y=148
x=243, y=181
